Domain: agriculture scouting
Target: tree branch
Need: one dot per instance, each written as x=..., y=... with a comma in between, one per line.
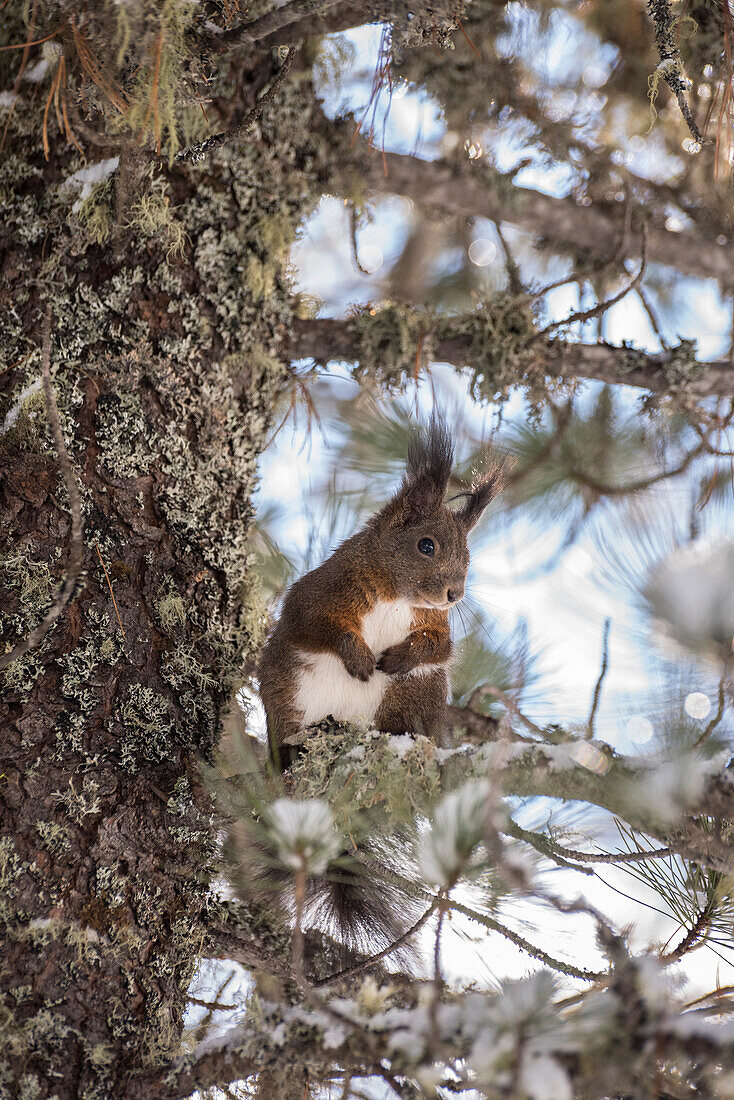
x=327, y=340
x=574, y=771
x=473, y=188
x=195, y=153
x=296, y=17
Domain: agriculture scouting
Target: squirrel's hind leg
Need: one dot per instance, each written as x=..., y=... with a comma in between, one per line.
x=415, y=703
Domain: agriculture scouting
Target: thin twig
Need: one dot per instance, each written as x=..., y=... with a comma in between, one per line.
x=602, y=489
x=212, y=1006
x=587, y=274
x=109, y=585
x=494, y=926
x=600, y=681
x=205, y=1022
x=437, y=979
x=197, y=152
x=562, y=421
x=653, y=317
x=717, y=717
x=692, y=938
x=513, y=271
x=365, y=963
x=567, y=856
x=524, y=945
x=76, y=547
x=512, y=706
x=600, y=308
x=353, y=240
x=26, y=46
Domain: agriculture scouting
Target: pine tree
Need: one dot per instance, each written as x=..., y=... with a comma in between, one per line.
x=157, y=162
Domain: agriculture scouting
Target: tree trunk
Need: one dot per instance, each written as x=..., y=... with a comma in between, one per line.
x=165, y=364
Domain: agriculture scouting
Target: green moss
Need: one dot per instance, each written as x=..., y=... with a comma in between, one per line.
x=275, y=235
x=170, y=608
x=259, y=277
x=679, y=365
x=159, y=90
x=388, y=342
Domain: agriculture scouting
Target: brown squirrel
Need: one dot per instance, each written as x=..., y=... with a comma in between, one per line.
x=365, y=637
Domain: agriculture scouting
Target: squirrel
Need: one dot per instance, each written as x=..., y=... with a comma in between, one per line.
x=365, y=637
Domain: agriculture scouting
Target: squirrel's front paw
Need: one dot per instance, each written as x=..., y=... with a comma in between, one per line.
x=357, y=657
x=360, y=666
x=397, y=659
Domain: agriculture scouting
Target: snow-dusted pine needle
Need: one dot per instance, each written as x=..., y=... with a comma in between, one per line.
x=456, y=830
x=303, y=834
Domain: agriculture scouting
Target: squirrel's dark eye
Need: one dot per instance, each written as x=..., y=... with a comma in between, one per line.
x=427, y=546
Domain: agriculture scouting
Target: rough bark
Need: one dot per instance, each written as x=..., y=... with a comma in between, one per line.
x=166, y=364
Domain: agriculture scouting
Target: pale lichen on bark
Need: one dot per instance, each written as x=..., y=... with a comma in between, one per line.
x=166, y=366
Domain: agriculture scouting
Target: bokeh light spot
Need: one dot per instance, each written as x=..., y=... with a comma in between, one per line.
x=482, y=251
x=639, y=729
x=697, y=705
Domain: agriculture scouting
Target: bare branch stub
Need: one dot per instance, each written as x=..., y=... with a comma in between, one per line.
x=671, y=66
x=197, y=152
x=600, y=681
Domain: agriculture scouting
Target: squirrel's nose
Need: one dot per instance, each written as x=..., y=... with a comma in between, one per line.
x=453, y=595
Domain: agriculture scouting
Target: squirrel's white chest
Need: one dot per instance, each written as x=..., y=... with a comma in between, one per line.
x=387, y=624
x=325, y=687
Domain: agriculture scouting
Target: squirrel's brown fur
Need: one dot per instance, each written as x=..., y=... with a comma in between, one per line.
x=378, y=583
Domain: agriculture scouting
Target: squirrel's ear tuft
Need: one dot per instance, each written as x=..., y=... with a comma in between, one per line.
x=483, y=490
x=427, y=472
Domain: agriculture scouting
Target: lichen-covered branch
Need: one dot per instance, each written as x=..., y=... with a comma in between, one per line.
x=297, y=12
x=384, y=342
x=670, y=68
x=414, y=775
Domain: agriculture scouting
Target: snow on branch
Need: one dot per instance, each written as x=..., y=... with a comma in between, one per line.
x=665, y=797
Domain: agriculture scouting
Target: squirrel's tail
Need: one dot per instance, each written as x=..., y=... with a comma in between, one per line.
x=364, y=902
